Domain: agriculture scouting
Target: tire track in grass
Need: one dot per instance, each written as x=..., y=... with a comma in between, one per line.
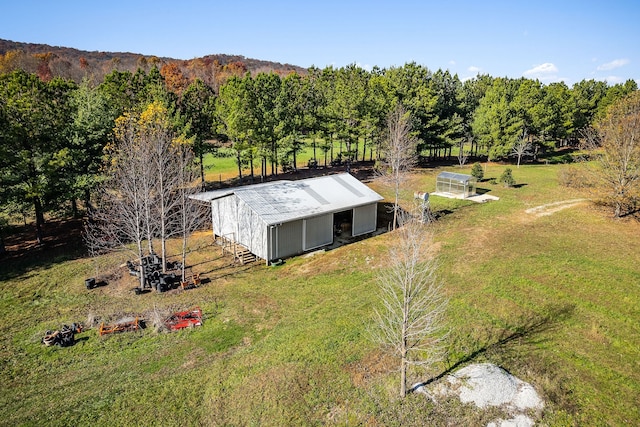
x=551, y=208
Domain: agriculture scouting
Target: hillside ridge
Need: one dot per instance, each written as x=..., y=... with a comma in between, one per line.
x=69, y=57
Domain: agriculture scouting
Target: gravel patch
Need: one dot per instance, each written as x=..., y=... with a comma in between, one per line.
x=487, y=385
x=517, y=421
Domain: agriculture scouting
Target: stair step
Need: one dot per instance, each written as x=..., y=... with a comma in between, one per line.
x=245, y=256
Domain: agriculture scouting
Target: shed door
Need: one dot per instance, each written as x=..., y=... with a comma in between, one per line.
x=288, y=239
x=318, y=232
x=364, y=219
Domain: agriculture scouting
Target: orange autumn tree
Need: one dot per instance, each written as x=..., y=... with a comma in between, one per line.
x=174, y=78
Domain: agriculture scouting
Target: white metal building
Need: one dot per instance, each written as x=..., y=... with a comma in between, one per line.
x=279, y=219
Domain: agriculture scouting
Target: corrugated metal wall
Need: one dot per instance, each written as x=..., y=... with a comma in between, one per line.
x=318, y=231
x=364, y=219
x=224, y=217
x=288, y=238
x=232, y=219
x=236, y=221
x=252, y=231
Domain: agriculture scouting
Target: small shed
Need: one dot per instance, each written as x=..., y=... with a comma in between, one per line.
x=456, y=185
x=279, y=219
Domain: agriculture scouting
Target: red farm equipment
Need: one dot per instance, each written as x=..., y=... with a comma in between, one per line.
x=125, y=326
x=184, y=319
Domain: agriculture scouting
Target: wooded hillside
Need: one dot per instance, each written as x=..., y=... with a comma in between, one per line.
x=56, y=61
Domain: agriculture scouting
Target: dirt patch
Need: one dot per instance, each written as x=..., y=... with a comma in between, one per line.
x=371, y=367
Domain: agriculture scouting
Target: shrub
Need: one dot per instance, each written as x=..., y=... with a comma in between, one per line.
x=477, y=171
x=507, y=178
x=572, y=177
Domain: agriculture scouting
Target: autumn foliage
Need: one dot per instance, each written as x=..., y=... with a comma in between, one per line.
x=49, y=62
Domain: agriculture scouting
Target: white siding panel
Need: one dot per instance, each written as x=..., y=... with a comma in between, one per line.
x=364, y=219
x=224, y=213
x=251, y=231
x=289, y=239
x=318, y=231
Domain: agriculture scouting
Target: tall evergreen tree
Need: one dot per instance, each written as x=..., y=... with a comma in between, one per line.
x=496, y=124
x=235, y=110
x=198, y=110
x=35, y=155
x=290, y=107
x=92, y=129
x=265, y=91
x=347, y=105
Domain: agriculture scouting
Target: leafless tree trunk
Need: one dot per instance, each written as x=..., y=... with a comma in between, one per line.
x=522, y=147
x=462, y=155
x=122, y=207
x=410, y=322
x=164, y=175
x=146, y=197
x=615, y=145
x=399, y=153
x=190, y=213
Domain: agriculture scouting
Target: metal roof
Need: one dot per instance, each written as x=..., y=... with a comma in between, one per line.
x=283, y=201
x=456, y=176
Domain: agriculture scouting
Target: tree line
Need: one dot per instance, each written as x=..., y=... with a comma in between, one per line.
x=53, y=131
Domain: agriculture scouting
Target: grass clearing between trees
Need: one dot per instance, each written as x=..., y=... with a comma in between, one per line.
x=553, y=299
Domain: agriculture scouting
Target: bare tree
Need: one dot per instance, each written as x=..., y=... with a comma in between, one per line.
x=399, y=153
x=522, y=147
x=146, y=195
x=121, y=213
x=164, y=172
x=615, y=145
x=190, y=214
x=463, y=156
x=410, y=322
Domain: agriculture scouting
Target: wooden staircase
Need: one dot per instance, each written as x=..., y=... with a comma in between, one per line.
x=240, y=253
x=244, y=255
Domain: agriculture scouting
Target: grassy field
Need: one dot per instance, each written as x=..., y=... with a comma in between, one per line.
x=224, y=167
x=554, y=299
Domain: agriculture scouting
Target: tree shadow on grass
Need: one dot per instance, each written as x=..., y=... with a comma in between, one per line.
x=441, y=213
x=229, y=270
x=525, y=330
x=62, y=242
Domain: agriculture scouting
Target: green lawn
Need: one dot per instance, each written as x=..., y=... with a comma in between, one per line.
x=223, y=166
x=554, y=299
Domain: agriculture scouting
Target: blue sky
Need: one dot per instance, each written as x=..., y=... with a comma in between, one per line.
x=549, y=40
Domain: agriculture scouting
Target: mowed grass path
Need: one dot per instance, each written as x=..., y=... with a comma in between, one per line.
x=554, y=299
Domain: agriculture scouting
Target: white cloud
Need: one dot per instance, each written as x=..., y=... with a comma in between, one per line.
x=366, y=67
x=612, y=80
x=616, y=63
x=542, y=71
x=474, y=72
x=452, y=62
